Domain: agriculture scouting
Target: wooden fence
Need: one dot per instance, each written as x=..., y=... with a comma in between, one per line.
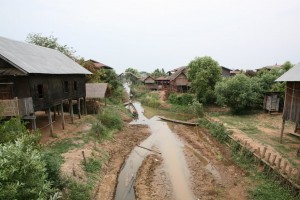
x=16, y=107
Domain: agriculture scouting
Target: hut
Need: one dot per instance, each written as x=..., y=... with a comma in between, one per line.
x=271, y=101
x=99, y=65
x=291, y=110
x=96, y=91
x=35, y=78
x=178, y=81
x=163, y=83
x=149, y=82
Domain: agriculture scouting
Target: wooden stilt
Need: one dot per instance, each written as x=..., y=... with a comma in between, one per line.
x=54, y=113
x=62, y=115
x=34, y=122
x=71, y=111
x=50, y=121
x=78, y=107
x=84, y=106
x=282, y=129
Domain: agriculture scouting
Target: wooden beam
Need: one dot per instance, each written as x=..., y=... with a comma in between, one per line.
x=62, y=115
x=78, y=107
x=282, y=129
x=71, y=110
x=50, y=121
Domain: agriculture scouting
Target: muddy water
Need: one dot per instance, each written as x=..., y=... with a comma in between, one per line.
x=165, y=141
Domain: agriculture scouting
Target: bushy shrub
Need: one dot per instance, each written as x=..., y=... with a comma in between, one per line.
x=23, y=172
x=181, y=99
x=11, y=130
x=151, y=101
x=111, y=119
x=197, y=108
x=239, y=93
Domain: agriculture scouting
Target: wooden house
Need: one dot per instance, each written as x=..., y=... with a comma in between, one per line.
x=99, y=65
x=149, y=82
x=163, y=83
x=35, y=78
x=178, y=80
x=226, y=71
x=291, y=110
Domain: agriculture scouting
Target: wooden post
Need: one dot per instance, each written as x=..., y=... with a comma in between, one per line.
x=83, y=157
x=268, y=157
x=279, y=163
x=282, y=129
x=290, y=171
x=284, y=166
x=54, y=113
x=273, y=160
x=78, y=107
x=264, y=152
x=71, y=110
x=62, y=115
x=34, y=122
x=84, y=106
x=50, y=121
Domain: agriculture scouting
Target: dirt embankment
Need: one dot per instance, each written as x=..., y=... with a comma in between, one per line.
x=118, y=149
x=213, y=175
x=152, y=181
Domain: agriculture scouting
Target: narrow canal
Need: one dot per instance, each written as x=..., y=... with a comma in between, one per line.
x=162, y=139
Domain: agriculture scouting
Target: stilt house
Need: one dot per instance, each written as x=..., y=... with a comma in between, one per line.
x=291, y=110
x=34, y=78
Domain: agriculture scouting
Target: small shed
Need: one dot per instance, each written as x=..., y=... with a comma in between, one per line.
x=96, y=91
x=291, y=110
x=271, y=101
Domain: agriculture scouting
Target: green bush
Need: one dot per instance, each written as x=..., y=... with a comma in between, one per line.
x=197, y=108
x=11, y=130
x=110, y=119
x=22, y=172
x=217, y=130
x=78, y=191
x=240, y=93
x=181, y=99
x=151, y=101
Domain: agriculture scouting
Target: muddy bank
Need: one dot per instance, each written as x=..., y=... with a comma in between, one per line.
x=151, y=181
x=213, y=175
x=118, y=149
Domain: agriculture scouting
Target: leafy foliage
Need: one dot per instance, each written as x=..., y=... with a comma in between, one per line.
x=50, y=42
x=239, y=93
x=204, y=73
x=111, y=119
x=151, y=100
x=23, y=172
x=181, y=99
x=158, y=73
x=133, y=71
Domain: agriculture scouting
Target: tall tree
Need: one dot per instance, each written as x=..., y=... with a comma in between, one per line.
x=133, y=71
x=204, y=73
x=50, y=42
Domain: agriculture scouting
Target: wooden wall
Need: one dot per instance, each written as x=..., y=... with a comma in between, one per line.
x=292, y=102
x=49, y=90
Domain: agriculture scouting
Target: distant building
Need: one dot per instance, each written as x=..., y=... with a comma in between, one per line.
x=276, y=66
x=149, y=82
x=226, y=71
x=99, y=65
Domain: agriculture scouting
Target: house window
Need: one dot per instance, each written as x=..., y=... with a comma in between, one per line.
x=40, y=91
x=66, y=86
x=75, y=85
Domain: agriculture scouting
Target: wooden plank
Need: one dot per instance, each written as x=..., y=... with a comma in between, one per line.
x=179, y=121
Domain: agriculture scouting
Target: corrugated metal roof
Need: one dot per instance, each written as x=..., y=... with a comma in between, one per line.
x=95, y=90
x=31, y=58
x=292, y=75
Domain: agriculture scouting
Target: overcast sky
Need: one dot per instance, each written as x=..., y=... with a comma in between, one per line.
x=150, y=34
